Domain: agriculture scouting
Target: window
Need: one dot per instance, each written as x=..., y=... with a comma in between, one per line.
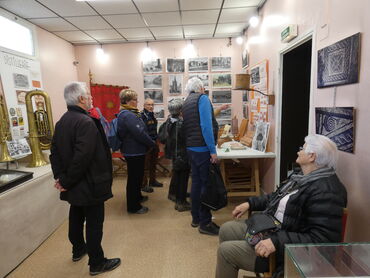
x=16, y=37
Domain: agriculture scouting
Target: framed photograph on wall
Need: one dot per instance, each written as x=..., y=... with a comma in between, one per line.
x=203, y=77
x=223, y=96
x=261, y=135
x=153, y=81
x=338, y=64
x=221, y=64
x=198, y=64
x=156, y=95
x=159, y=111
x=222, y=80
x=175, y=65
x=152, y=66
x=175, y=82
x=245, y=58
x=224, y=114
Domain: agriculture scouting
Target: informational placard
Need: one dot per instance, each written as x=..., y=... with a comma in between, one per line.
x=19, y=75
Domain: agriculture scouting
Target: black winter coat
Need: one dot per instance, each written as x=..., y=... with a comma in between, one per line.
x=81, y=159
x=312, y=215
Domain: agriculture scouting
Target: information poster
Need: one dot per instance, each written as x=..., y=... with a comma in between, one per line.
x=19, y=75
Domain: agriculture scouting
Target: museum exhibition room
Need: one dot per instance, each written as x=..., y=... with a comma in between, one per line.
x=209, y=138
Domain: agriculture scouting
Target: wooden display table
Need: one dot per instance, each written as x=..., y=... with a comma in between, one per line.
x=241, y=180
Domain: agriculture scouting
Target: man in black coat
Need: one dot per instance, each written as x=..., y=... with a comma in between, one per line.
x=82, y=167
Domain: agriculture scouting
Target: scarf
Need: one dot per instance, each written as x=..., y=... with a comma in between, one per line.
x=297, y=181
x=131, y=109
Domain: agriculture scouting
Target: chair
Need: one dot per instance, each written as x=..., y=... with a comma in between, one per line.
x=119, y=164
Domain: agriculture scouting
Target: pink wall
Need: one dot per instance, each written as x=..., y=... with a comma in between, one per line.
x=124, y=66
x=344, y=19
x=56, y=58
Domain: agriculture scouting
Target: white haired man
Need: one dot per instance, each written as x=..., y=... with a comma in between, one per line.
x=309, y=206
x=201, y=131
x=82, y=167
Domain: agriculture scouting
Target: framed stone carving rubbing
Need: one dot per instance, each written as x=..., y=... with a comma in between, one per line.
x=338, y=64
x=337, y=123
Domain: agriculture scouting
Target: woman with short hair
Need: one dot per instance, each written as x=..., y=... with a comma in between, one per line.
x=135, y=143
x=309, y=206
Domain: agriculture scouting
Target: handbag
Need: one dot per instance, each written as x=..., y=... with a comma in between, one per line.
x=215, y=194
x=259, y=226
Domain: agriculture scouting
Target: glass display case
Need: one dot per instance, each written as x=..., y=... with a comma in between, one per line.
x=327, y=260
x=11, y=178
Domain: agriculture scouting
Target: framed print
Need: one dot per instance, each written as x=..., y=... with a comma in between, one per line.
x=223, y=96
x=152, y=66
x=338, y=64
x=152, y=81
x=261, y=135
x=175, y=65
x=198, y=64
x=158, y=111
x=222, y=80
x=175, y=82
x=245, y=61
x=156, y=95
x=221, y=64
x=337, y=123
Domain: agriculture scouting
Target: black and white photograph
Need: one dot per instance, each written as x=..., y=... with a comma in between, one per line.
x=18, y=148
x=245, y=96
x=159, y=111
x=156, y=95
x=224, y=114
x=221, y=64
x=20, y=80
x=175, y=82
x=198, y=64
x=152, y=66
x=260, y=136
x=221, y=80
x=169, y=99
x=203, y=77
x=175, y=65
x=223, y=96
x=245, y=58
x=152, y=81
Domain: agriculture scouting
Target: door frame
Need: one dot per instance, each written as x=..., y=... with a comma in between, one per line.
x=310, y=35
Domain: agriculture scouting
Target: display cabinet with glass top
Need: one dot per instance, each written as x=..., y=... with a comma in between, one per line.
x=327, y=260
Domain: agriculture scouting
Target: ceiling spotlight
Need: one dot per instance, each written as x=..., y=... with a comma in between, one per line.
x=253, y=21
x=189, y=50
x=239, y=40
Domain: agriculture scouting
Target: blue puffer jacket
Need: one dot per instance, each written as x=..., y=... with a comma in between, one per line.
x=133, y=134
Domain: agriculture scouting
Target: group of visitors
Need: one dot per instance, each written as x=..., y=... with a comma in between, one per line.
x=308, y=206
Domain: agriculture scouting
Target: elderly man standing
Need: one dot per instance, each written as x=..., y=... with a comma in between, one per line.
x=82, y=167
x=201, y=131
x=151, y=158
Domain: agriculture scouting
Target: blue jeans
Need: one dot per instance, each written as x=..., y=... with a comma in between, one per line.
x=199, y=173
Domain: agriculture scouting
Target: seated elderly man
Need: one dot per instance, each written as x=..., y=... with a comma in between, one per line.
x=309, y=207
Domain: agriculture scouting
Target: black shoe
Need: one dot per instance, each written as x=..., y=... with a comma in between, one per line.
x=140, y=211
x=147, y=189
x=209, y=229
x=156, y=184
x=194, y=224
x=182, y=206
x=108, y=265
x=144, y=199
x=78, y=256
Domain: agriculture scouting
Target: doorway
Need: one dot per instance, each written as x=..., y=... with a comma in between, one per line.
x=296, y=80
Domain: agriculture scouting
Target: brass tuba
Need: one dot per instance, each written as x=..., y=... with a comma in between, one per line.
x=5, y=134
x=40, y=125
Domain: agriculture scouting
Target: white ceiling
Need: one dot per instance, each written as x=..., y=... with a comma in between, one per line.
x=107, y=21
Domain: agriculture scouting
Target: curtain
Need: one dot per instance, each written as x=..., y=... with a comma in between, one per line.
x=106, y=98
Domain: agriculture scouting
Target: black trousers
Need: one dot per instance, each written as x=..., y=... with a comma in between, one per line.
x=179, y=184
x=94, y=217
x=135, y=174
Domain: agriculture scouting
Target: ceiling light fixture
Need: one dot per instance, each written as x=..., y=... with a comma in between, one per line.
x=189, y=50
x=147, y=54
x=229, y=42
x=239, y=40
x=254, y=21
x=101, y=55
